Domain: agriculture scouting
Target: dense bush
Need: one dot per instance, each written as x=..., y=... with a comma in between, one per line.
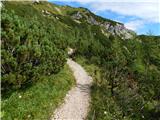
x=129, y=72
x=28, y=50
x=129, y=75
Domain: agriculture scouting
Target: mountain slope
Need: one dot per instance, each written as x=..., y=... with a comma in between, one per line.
x=74, y=15
x=37, y=35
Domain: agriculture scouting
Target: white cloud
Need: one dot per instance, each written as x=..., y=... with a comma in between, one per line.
x=135, y=25
x=148, y=10
x=143, y=10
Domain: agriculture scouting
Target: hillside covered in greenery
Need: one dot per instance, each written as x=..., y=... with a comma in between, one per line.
x=35, y=37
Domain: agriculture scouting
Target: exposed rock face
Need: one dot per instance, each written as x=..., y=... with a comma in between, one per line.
x=120, y=30
x=77, y=16
x=46, y=12
x=93, y=21
x=36, y=1
x=114, y=29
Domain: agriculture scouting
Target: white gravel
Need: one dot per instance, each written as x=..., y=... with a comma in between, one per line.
x=76, y=105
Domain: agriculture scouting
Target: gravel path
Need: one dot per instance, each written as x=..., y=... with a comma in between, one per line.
x=77, y=100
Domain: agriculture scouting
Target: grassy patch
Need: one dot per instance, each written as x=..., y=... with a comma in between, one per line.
x=39, y=100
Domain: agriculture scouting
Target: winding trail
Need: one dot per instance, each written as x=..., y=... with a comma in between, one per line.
x=76, y=105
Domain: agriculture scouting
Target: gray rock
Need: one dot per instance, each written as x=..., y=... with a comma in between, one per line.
x=114, y=29
x=77, y=16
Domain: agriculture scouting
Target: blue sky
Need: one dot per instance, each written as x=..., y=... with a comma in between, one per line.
x=142, y=16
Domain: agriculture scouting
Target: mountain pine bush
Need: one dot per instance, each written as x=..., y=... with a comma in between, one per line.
x=27, y=51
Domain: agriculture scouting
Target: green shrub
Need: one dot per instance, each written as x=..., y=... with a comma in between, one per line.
x=27, y=52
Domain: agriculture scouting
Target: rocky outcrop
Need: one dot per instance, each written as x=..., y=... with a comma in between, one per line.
x=36, y=1
x=77, y=16
x=113, y=28
x=91, y=20
x=119, y=29
x=46, y=12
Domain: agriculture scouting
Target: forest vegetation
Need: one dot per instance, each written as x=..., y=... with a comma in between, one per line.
x=35, y=38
